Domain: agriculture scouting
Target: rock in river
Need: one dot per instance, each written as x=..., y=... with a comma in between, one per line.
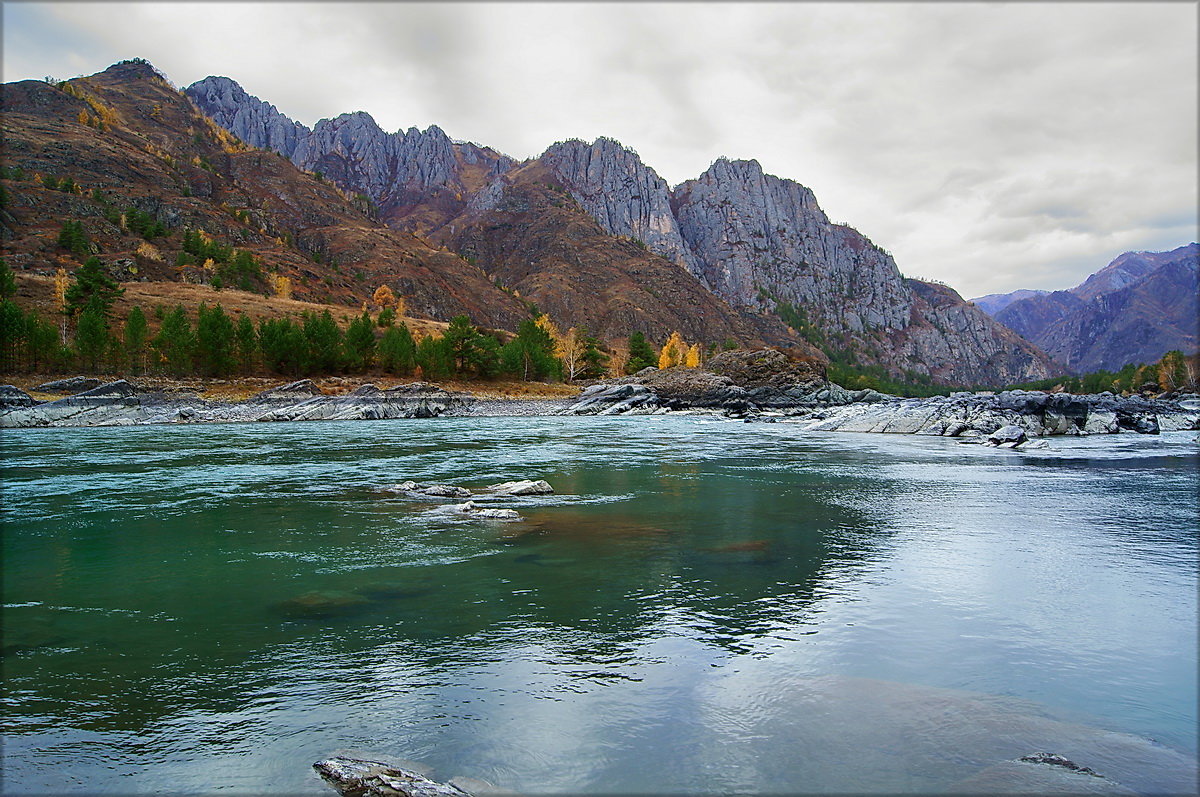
x=433, y=490
x=355, y=777
x=522, y=487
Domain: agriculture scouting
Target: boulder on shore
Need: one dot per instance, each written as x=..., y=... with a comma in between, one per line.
x=15, y=397
x=74, y=384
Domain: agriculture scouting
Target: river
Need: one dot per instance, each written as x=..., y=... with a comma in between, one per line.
x=703, y=605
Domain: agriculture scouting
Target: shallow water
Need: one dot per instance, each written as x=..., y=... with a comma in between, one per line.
x=701, y=606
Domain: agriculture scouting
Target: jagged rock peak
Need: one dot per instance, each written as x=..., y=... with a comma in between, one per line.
x=627, y=197
x=257, y=123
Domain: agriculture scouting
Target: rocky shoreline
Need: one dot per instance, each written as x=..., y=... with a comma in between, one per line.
x=762, y=385
x=765, y=386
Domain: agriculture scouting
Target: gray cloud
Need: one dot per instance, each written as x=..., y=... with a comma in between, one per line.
x=992, y=146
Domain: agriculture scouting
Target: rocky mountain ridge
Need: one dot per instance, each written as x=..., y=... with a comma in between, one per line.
x=1134, y=310
x=756, y=241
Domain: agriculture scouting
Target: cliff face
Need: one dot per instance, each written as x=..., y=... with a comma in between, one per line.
x=417, y=178
x=1134, y=310
x=624, y=195
x=532, y=236
x=755, y=241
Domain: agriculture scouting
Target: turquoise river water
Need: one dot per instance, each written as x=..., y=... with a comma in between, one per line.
x=702, y=606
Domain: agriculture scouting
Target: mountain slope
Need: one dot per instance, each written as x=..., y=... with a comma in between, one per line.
x=131, y=140
x=993, y=303
x=531, y=236
x=1135, y=309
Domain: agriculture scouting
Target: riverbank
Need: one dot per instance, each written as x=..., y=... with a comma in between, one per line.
x=762, y=385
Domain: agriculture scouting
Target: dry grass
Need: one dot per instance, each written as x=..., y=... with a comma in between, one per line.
x=243, y=387
x=38, y=291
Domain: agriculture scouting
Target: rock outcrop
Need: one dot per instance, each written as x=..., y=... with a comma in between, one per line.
x=418, y=179
x=764, y=245
x=766, y=385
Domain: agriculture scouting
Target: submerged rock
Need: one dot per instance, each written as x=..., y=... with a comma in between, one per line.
x=1039, y=773
x=355, y=777
x=318, y=605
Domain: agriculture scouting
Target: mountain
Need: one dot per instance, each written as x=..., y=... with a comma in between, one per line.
x=757, y=243
x=764, y=245
x=129, y=141
x=995, y=302
x=1134, y=310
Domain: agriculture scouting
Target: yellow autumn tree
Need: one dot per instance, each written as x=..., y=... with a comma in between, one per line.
x=674, y=351
x=570, y=349
x=618, y=357
x=384, y=297
x=61, y=282
x=692, y=360
x=281, y=286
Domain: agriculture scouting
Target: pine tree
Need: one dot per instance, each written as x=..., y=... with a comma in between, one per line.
x=13, y=335
x=434, y=358
x=360, y=343
x=324, y=341
x=91, y=335
x=641, y=354
x=92, y=281
x=246, y=344
x=472, y=352
x=595, y=363
x=175, y=342
x=530, y=355
x=397, y=351
x=43, y=346
x=8, y=281
x=214, y=341
x=72, y=238
x=135, y=340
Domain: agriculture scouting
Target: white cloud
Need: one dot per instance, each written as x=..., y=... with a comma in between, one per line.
x=993, y=146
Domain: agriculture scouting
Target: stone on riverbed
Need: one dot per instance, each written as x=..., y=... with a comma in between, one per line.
x=522, y=487
x=1040, y=773
x=355, y=777
x=318, y=605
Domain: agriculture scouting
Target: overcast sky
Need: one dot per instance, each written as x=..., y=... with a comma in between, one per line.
x=993, y=146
